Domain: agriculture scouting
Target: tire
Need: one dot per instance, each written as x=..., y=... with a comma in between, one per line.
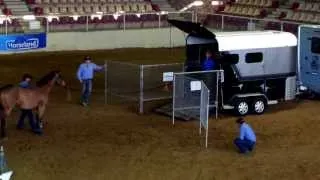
x=241, y=107
x=258, y=105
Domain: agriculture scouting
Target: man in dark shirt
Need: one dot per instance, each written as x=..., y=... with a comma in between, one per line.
x=25, y=83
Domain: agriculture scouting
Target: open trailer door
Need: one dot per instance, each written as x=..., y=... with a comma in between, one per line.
x=198, y=41
x=309, y=58
x=194, y=29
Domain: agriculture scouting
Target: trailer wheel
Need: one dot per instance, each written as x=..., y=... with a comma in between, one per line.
x=241, y=107
x=259, y=105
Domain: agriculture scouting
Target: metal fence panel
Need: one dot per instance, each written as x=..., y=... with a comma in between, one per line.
x=123, y=80
x=204, y=111
x=154, y=86
x=204, y=105
x=194, y=93
x=140, y=83
x=187, y=101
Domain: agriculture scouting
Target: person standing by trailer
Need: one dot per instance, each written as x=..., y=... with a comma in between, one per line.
x=25, y=83
x=85, y=75
x=247, y=138
x=209, y=79
x=208, y=63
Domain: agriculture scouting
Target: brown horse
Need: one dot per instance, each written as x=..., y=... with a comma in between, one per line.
x=35, y=98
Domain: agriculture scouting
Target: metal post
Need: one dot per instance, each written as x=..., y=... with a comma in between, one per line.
x=217, y=94
x=173, y=97
x=159, y=23
x=87, y=23
x=196, y=14
x=6, y=27
x=141, y=91
x=170, y=36
x=192, y=16
x=124, y=22
x=47, y=25
x=222, y=23
x=105, y=82
x=201, y=100
x=281, y=26
x=207, y=117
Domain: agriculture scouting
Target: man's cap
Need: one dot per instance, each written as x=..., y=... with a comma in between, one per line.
x=87, y=58
x=240, y=120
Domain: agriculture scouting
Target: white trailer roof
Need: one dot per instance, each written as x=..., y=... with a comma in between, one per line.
x=241, y=40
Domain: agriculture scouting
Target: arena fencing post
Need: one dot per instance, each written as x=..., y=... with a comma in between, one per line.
x=141, y=90
x=105, y=82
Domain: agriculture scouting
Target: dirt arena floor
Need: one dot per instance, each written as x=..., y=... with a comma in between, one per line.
x=110, y=142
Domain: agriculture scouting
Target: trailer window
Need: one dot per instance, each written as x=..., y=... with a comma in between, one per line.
x=254, y=57
x=233, y=58
x=315, y=45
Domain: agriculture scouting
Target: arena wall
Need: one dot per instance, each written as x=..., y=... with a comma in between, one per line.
x=111, y=39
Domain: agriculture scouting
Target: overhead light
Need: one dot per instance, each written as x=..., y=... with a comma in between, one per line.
x=75, y=17
x=138, y=15
x=115, y=16
x=99, y=16
x=28, y=17
x=216, y=3
x=163, y=12
x=197, y=3
x=99, y=12
x=50, y=18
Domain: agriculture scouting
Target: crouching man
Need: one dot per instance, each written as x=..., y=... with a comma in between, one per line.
x=247, y=138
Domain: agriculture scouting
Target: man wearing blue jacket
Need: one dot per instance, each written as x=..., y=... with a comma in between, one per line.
x=210, y=79
x=208, y=63
x=85, y=75
x=247, y=138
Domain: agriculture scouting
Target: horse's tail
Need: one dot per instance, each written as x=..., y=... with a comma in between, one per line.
x=4, y=89
x=2, y=112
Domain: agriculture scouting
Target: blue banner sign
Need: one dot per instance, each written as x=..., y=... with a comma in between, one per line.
x=23, y=42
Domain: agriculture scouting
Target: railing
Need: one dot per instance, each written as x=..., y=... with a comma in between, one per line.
x=124, y=21
x=223, y=22
x=90, y=22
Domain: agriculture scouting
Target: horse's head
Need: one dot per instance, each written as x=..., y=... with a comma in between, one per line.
x=52, y=78
x=58, y=79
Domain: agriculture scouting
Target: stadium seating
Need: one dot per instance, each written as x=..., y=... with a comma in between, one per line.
x=79, y=14
x=76, y=14
x=88, y=6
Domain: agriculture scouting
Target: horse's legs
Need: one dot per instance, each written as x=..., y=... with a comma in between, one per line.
x=3, y=128
x=40, y=114
x=3, y=133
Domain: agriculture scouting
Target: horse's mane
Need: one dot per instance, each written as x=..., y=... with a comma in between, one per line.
x=46, y=78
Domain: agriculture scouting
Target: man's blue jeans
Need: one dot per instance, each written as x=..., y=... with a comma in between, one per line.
x=244, y=145
x=86, y=90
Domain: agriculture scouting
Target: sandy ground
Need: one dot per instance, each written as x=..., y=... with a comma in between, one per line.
x=110, y=142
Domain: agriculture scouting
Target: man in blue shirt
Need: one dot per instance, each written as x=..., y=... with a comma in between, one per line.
x=25, y=83
x=208, y=63
x=247, y=138
x=85, y=75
